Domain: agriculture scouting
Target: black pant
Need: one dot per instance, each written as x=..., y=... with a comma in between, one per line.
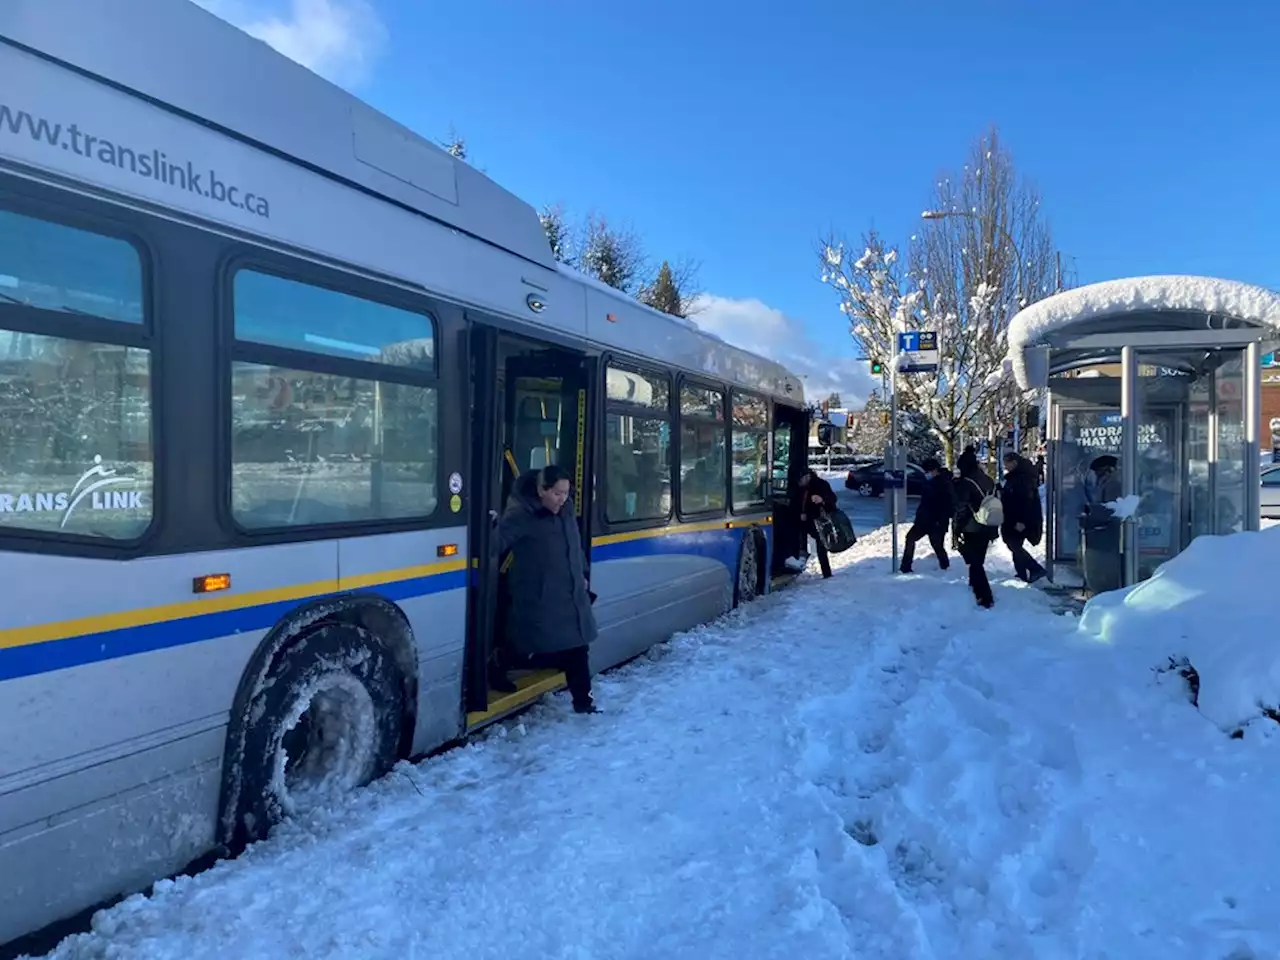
x=575, y=663
x=937, y=539
x=810, y=528
x=973, y=549
x=1024, y=564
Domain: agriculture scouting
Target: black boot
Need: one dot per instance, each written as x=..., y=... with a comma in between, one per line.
x=585, y=706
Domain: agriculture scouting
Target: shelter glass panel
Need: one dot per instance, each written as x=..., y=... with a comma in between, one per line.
x=1229, y=470
x=1087, y=434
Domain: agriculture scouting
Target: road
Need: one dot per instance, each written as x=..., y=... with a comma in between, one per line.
x=867, y=513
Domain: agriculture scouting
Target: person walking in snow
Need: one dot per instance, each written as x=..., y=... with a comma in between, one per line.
x=813, y=495
x=970, y=536
x=933, y=515
x=1023, y=517
x=551, y=624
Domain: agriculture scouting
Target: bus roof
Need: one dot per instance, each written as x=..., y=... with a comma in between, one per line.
x=165, y=85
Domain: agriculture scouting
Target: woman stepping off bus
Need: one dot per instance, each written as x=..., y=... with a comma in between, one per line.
x=551, y=624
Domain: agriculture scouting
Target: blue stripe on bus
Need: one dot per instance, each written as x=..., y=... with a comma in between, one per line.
x=112, y=644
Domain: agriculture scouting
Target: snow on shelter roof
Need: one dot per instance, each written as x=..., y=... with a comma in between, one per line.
x=1124, y=301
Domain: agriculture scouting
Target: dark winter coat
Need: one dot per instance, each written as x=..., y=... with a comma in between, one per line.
x=550, y=606
x=1020, y=497
x=972, y=487
x=937, y=502
x=1104, y=481
x=817, y=488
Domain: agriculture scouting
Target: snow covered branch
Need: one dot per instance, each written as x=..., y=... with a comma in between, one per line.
x=984, y=254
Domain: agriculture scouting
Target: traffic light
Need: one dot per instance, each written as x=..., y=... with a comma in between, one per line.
x=877, y=368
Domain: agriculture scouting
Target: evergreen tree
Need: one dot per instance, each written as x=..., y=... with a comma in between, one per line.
x=559, y=236
x=662, y=293
x=869, y=430
x=610, y=254
x=674, y=288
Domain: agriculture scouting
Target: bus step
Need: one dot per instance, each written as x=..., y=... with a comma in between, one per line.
x=529, y=687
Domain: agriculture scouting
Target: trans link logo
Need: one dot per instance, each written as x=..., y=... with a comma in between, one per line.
x=148, y=162
x=94, y=488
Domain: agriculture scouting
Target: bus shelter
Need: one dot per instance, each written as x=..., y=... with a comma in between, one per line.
x=1152, y=392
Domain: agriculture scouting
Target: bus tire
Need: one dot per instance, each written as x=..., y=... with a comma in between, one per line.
x=747, y=584
x=327, y=719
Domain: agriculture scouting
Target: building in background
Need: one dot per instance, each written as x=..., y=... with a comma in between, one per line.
x=1270, y=407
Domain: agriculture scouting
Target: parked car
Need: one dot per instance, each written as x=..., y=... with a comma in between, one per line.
x=868, y=480
x=1269, y=499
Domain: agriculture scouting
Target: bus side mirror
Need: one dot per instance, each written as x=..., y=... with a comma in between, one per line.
x=825, y=435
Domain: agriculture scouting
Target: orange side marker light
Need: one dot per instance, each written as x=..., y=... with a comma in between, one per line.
x=211, y=583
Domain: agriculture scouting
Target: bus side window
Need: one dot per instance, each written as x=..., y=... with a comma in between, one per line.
x=75, y=408
x=637, y=475
x=346, y=431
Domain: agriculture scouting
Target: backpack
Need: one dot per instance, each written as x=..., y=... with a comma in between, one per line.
x=990, y=512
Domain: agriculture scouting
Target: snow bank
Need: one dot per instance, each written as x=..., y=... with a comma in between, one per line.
x=1208, y=604
x=1208, y=295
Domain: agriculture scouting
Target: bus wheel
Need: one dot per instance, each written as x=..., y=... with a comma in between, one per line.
x=327, y=719
x=748, y=585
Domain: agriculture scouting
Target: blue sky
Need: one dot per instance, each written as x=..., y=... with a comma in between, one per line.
x=737, y=133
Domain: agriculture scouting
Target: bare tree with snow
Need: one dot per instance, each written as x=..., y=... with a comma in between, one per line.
x=455, y=145
x=985, y=252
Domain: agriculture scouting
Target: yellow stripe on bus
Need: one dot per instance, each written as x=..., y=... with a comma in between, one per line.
x=706, y=527
x=214, y=603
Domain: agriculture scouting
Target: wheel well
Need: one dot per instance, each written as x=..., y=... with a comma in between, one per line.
x=380, y=618
x=763, y=559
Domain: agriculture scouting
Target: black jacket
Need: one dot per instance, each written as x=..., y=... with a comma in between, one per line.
x=550, y=607
x=937, y=502
x=1020, y=497
x=971, y=489
x=819, y=488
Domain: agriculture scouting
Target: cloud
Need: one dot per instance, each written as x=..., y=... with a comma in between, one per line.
x=338, y=39
x=752, y=325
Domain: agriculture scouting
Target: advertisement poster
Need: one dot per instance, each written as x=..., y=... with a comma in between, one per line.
x=1089, y=434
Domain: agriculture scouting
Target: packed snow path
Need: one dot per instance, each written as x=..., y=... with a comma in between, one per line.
x=868, y=767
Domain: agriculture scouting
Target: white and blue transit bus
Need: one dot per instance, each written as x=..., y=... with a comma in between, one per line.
x=268, y=361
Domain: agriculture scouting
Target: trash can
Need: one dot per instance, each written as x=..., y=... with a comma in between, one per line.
x=1101, y=556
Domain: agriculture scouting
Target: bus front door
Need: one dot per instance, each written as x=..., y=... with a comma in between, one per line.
x=540, y=408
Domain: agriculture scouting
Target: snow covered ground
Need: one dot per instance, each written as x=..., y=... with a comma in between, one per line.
x=867, y=767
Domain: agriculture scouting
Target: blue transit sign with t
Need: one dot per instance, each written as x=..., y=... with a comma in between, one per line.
x=919, y=351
